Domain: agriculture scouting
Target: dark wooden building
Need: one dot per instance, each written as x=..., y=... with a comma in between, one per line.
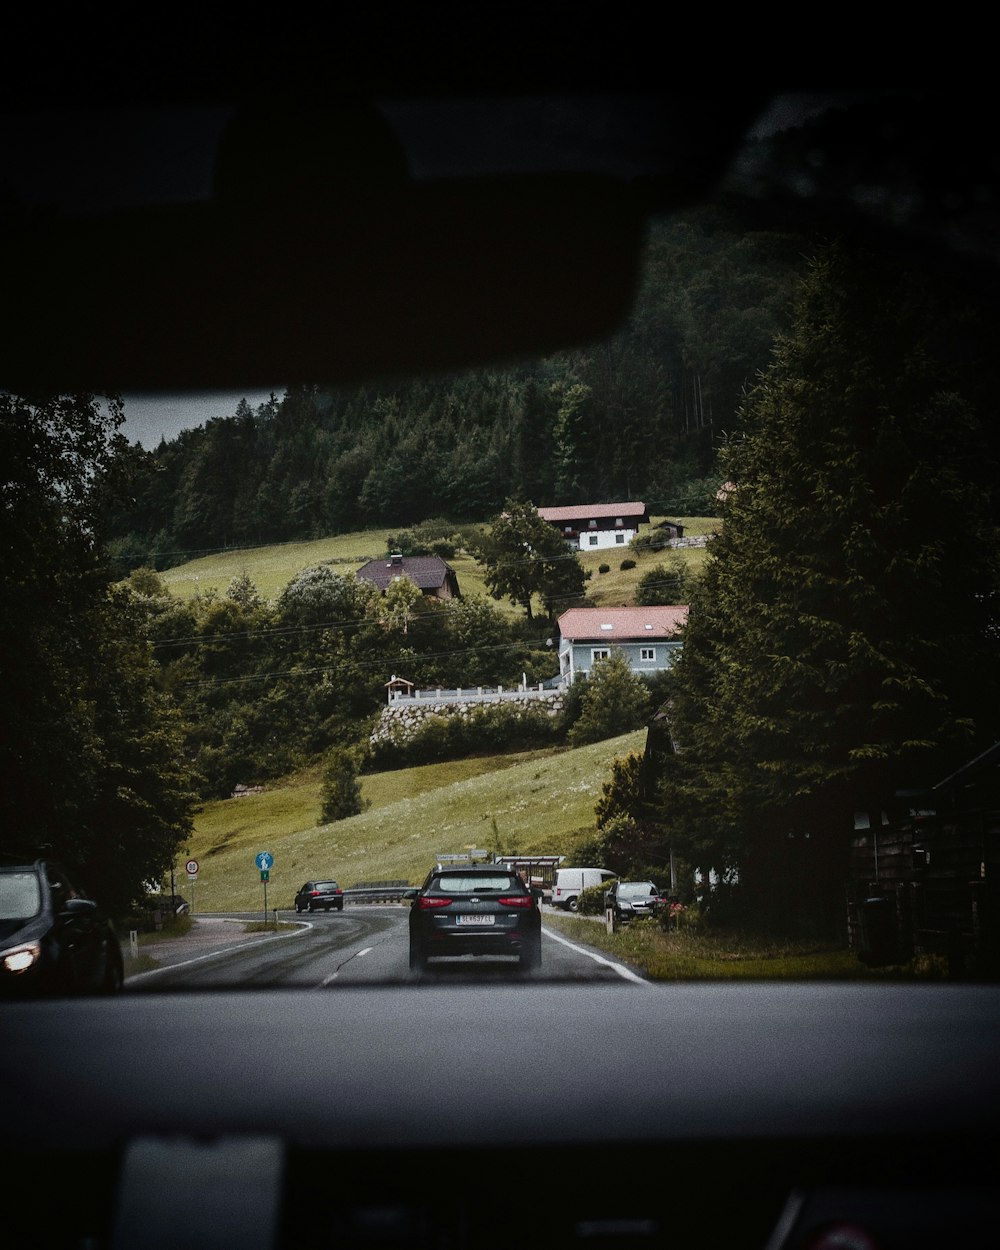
x=925, y=873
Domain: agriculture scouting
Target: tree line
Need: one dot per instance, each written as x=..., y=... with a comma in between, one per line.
x=639, y=416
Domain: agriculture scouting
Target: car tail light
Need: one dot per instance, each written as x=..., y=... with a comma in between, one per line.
x=338, y=890
x=517, y=900
x=315, y=893
x=426, y=903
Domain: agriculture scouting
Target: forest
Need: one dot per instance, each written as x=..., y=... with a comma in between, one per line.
x=638, y=417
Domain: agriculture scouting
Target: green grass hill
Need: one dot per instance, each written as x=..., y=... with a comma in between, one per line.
x=271, y=568
x=541, y=801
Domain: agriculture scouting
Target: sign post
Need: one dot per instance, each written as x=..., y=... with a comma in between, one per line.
x=264, y=862
x=191, y=867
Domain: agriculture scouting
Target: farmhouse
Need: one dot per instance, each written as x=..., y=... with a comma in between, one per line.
x=649, y=637
x=431, y=574
x=590, y=527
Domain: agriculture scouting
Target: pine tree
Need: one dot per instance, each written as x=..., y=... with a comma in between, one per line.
x=843, y=639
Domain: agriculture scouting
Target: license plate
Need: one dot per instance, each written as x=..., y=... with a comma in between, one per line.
x=463, y=920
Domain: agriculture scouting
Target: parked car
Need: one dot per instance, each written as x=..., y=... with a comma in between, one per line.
x=316, y=895
x=54, y=940
x=570, y=881
x=632, y=900
x=475, y=909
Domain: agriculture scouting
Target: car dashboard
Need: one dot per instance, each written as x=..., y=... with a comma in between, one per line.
x=743, y=1115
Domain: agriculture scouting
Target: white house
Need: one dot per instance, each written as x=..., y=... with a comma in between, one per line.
x=591, y=527
x=649, y=637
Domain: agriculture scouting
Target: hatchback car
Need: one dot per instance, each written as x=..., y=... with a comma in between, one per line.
x=477, y=909
x=632, y=900
x=317, y=895
x=53, y=940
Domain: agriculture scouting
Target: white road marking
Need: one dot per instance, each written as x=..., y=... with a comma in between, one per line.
x=333, y=975
x=226, y=950
x=626, y=973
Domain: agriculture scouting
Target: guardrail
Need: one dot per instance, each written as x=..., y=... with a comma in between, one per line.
x=376, y=891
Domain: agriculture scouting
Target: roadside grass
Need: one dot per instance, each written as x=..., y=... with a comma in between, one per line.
x=271, y=568
x=536, y=801
x=691, y=954
x=268, y=926
x=175, y=926
x=143, y=962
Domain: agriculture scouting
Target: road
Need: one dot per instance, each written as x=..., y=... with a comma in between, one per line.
x=361, y=945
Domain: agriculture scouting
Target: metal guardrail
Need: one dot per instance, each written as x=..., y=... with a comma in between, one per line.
x=376, y=891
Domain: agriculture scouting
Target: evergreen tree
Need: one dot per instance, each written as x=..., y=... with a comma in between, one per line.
x=341, y=792
x=843, y=642
x=92, y=768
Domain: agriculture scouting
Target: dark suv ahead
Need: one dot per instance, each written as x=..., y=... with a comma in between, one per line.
x=53, y=940
x=315, y=895
x=631, y=900
x=476, y=909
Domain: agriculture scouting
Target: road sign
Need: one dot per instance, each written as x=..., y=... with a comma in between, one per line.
x=264, y=861
x=191, y=868
x=265, y=874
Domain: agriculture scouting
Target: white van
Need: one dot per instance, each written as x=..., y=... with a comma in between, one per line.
x=570, y=881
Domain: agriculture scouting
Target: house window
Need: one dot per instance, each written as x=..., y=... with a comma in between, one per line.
x=619, y=521
x=593, y=540
x=598, y=653
x=648, y=655
x=620, y=538
x=568, y=529
x=592, y=524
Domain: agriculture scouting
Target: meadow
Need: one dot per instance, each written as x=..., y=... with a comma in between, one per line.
x=271, y=568
x=536, y=801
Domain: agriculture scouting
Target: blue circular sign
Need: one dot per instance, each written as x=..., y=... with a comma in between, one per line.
x=264, y=860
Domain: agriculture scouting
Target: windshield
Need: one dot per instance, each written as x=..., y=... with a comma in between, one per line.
x=697, y=591
x=636, y=889
x=20, y=895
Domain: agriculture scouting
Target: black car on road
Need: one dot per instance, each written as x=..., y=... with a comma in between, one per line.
x=632, y=900
x=54, y=940
x=475, y=909
x=320, y=895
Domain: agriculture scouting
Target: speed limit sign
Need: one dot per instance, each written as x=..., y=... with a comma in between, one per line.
x=191, y=867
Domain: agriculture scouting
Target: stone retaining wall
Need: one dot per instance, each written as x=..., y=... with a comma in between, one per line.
x=403, y=718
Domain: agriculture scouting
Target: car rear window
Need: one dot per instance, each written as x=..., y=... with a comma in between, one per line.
x=456, y=883
x=20, y=895
x=326, y=885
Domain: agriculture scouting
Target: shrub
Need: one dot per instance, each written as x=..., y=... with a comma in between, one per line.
x=341, y=791
x=614, y=701
x=604, y=568
x=590, y=901
x=626, y=565
x=663, y=584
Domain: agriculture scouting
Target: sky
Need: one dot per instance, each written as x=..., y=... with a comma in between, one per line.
x=150, y=418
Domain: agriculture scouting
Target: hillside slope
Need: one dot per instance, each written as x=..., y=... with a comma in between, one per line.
x=540, y=801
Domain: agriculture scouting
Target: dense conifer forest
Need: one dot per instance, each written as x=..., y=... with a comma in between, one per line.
x=638, y=417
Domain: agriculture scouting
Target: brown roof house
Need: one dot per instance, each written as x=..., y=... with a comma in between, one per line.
x=431, y=574
x=649, y=637
x=594, y=526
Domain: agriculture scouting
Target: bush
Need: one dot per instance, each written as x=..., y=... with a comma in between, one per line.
x=615, y=700
x=590, y=902
x=341, y=791
x=663, y=584
x=626, y=565
x=604, y=568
